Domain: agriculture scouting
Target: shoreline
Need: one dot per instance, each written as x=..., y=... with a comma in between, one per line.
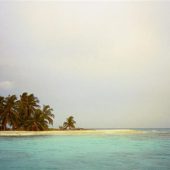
x=70, y=132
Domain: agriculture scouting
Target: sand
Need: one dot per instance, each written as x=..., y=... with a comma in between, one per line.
x=69, y=132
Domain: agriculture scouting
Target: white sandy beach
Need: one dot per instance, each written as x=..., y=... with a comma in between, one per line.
x=69, y=132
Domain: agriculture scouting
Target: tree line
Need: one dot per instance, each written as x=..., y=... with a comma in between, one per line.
x=24, y=113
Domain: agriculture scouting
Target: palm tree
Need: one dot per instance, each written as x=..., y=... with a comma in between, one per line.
x=48, y=115
x=9, y=114
x=1, y=109
x=37, y=122
x=40, y=119
x=1, y=103
x=27, y=105
x=70, y=123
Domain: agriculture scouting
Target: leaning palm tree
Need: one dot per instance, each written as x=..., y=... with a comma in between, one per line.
x=9, y=114
x=40, y=119
x=70, y=123
x=47, y=114
x=36, y=122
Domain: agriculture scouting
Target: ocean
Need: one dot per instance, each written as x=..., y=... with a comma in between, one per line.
x=147, y=151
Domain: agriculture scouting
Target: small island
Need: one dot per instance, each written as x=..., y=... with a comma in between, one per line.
x=26, y=117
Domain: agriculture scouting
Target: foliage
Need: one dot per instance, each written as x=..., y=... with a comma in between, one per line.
x=25, y=113
x=69, y=123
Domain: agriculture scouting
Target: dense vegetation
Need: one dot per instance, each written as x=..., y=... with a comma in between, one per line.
x=24, y=113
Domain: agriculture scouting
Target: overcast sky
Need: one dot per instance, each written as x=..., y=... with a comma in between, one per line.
x=105, y=63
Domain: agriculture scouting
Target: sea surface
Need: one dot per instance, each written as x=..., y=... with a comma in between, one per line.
x=147, y=151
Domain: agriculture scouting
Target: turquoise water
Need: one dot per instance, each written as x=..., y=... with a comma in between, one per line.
x=148, y=151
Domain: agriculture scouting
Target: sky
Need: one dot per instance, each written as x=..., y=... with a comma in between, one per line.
x=105, y=63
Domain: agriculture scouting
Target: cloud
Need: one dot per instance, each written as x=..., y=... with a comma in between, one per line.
x=6, y=85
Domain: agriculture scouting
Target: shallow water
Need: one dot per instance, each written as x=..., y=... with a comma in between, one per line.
x=148, y=151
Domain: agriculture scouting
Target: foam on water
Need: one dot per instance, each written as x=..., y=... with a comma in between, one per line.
x=143, y=151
